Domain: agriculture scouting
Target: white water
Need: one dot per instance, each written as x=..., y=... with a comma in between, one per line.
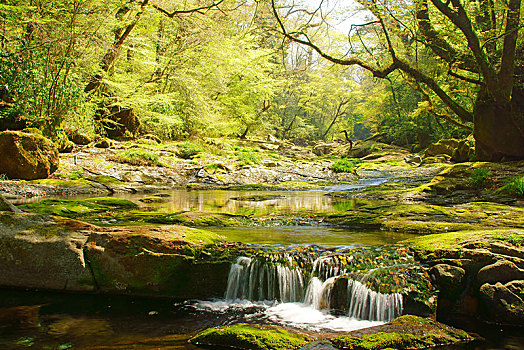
x=279, y=291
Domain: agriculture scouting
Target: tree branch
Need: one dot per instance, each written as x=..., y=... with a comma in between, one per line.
x=460, y=19
x=173, y=13
x=438, y=44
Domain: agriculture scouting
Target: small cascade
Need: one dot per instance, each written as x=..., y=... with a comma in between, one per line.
x=256, y=279
x=366, y=304
x=260, y=279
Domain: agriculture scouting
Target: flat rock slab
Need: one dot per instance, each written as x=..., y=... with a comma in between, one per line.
x=55, y=253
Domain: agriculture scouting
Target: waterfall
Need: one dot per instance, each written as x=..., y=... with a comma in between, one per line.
x=255, y=279
x=266, y=279
x=366, y=304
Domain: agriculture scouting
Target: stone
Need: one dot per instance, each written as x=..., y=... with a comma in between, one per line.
x=27, y=156
x=104, y=143
x=449, y=278
x=250, y=336
x=121, y=122
x=322, y=149
x=55, y=253
x=502, y=271
x=7, y=206
x=405, y=332
x=413, y=159
x=80, y=138
x=458, y=150
x=504, y=303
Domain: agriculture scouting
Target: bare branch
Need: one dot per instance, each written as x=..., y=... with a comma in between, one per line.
x=174, y=13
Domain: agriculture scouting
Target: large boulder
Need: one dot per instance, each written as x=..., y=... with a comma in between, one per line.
x=449, y=279
x=55, y=253
x=459, y=150
x=27, y=156
x=502, y=271
x=119, y=122
x=504, y=302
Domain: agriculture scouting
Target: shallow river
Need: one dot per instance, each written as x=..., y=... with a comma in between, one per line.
x=63, y=321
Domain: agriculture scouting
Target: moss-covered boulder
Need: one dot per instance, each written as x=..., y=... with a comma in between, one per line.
x=405, y=332
x=458, y=150
x=252, y=337
x=27, y=156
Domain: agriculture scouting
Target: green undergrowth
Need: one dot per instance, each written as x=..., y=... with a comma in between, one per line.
x=514, y=187
x=136, y=156
x=343, y=165
x=244, y=336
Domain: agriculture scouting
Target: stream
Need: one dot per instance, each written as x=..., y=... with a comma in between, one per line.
x=291, y=283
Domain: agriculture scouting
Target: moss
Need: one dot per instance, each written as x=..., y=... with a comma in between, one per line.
x=63, y=183
x=244, y=336
x=405, y=332
x=76, y=208
x=136, y=156
x=112, y=202
x=154, y=199
x=107, y=180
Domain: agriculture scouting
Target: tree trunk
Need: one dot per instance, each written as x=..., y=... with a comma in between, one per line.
x=499, y=128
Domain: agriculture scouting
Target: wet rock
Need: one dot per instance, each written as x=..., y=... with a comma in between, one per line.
x=253, y=337
x=27, y=156
x=405, y=332
x=458, y=150
x=504, y=303
x=502, y=271
x=449, y=278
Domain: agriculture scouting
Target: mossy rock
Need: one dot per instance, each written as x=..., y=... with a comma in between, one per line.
x=405, y=332
x=244, y=336
x=75, y=208
x=27, y=156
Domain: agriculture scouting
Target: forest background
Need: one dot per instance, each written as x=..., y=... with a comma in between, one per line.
x=226, y=68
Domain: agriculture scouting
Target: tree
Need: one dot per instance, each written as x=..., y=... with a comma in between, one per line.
x=478, y=45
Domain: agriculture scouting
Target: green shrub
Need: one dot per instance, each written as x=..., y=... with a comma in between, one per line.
x=514, y=187
x=480, y=178
x=138, y=157
x=248, y=158
x=188, y=150
x=343, y=166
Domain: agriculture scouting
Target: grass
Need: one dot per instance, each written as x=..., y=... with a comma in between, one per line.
x=188, y=150
x=514, y=187
x=138, y=157
x=343, y=165
x=480, y=178
x=248, y=158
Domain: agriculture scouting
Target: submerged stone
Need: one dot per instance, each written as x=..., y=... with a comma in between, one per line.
x=244, y=336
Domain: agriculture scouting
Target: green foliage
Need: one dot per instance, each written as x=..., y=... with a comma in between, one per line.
x=514, y=187
x=188, y=150
x=480, y=178
x=136, y=156
x=248, y=158
x=343, y=165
